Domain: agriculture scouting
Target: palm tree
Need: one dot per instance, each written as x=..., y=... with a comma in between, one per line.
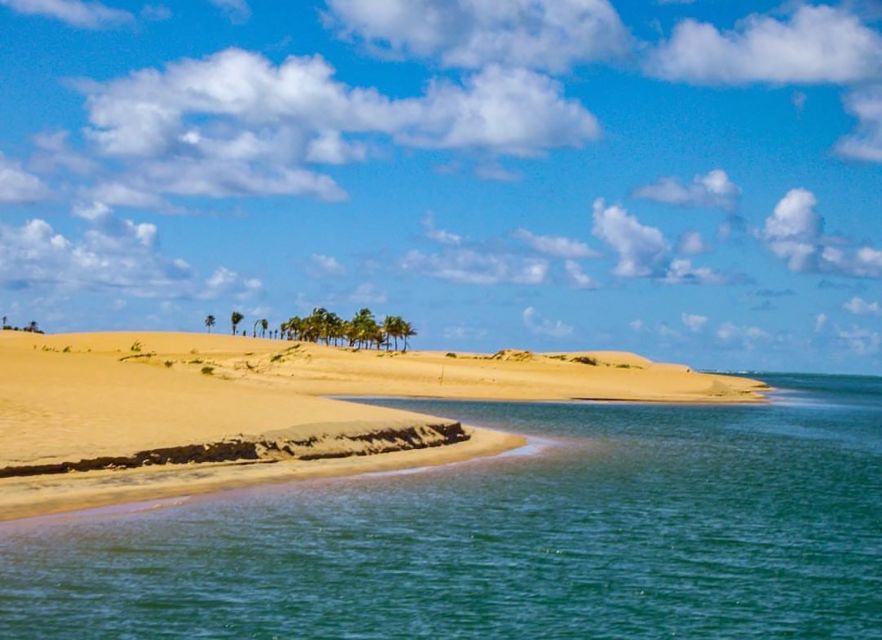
x=235, y=319
x=389, y=331
x=264, y=325
x=363, y=329
x=209, y=322
x=333, y=328
x=294, y=328
x=407, y=331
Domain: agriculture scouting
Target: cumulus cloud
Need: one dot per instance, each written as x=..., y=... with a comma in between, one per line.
x=814, y=44
x=641, y=249
x=794, y=233
x=468, y=266
x=330, y=148
x=577, y=277
x=865, y=143
x=507, y=111
x=682, y=271
x=76, y=13
x=17, y=186
x=538, y=34
x=146, y=113
x=793, y=230
x=113, y=255
x=557, y=246
x=713, y=189
x=234, y=123
x=226, y=282
x=860, y=307
x=693, y=322
x=544, y=327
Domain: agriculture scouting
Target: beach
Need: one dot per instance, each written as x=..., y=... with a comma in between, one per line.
x=94, y=419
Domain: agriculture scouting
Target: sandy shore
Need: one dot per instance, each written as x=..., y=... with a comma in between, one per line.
x=154, y=415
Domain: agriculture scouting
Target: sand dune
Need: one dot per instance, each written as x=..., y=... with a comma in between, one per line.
x=258, y=411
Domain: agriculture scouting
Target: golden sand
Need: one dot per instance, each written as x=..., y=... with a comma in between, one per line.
x=69, y=398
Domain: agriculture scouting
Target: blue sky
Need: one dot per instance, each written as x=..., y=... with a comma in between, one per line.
x=688, y=180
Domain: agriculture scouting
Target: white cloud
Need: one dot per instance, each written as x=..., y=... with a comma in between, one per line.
x=329, y=147
x=234, y=123
x=218, y=178
x=441, y=236
x=682, y=271
x=636, y=325
x=92, y=211
x=713, y=189
x=17, y=186
x=145, y=114
x=641, y=249
x=468, y=266
x=236, y=11
x=815, y=44
x=691, y=243
x=507, y=111
x=85, y=15
x=225, y=282
x=820, y=322
x=118, y=194
x=323, y=265
x=538, y=34
x=577, y=277
x=541, y=326
x=695, y=323
x=113, y=255
x=557, y=246
x=793, y=230
x=644, y=252
x=794, y=233
x=865, y=143
x=860, y=307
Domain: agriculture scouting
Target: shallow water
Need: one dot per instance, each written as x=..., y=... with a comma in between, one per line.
x=636, y=521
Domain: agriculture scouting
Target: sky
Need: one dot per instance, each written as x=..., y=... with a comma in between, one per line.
x=697, y=181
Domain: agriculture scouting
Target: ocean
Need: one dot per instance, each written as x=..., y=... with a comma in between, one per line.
x=617, y=521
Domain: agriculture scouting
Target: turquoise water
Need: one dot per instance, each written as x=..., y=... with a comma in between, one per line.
x=619, y=521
